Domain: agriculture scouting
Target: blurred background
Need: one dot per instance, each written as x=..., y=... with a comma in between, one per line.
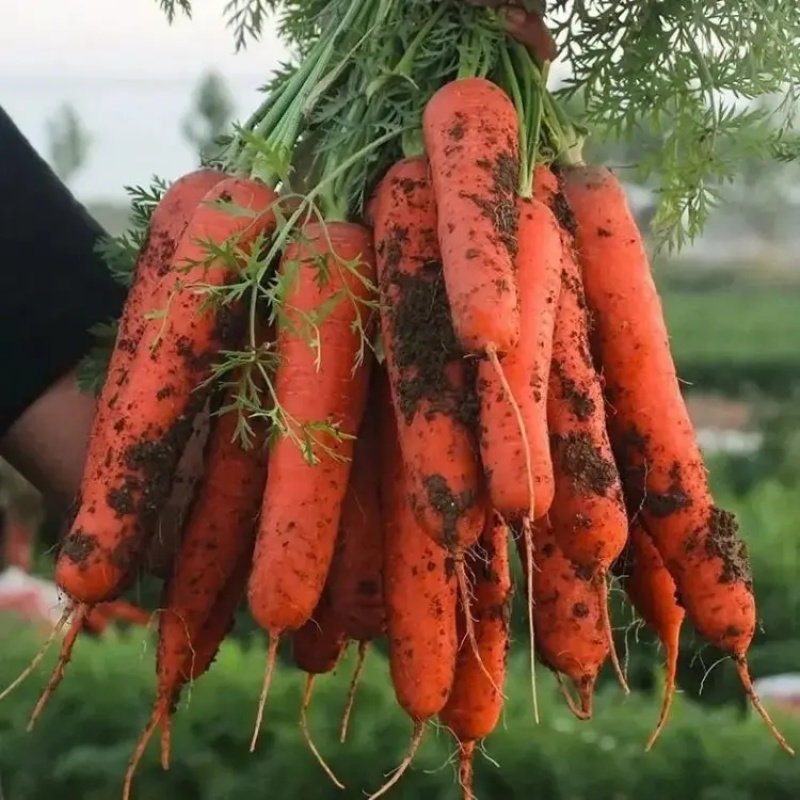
x=110, y=95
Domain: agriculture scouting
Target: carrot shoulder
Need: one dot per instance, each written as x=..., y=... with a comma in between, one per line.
x=471, y=136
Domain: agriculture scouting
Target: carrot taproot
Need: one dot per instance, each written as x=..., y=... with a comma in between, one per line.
x=470, y=128
x=474, y=705
x=526, y=367
x=651, y=590
x=218, y=624
x=427, y=373
x=324, y=320
x=152, y=418
x=568, y=617
x=219, y=531
x=420, y=592
x=651, y=429
x=356, y=574
x=588, y=512
x=317, y=647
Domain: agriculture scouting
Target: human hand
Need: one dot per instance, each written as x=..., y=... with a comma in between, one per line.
x=527, y=27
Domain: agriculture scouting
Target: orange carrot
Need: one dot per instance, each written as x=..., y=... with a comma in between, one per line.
x=318, y=380
x=356, y=575
x=588, y=513
x=475, y=702
x=317, y=647
x=217, y=626
x=526, y=368
x=651, y=589
x=420, y=593
x=427, y=371
x=220, y=529
x=167, y=224
x=568, y=619
x=651, y=428
x=152, y=418
x=471, y=136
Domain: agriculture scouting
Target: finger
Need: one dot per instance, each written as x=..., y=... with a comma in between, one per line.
x=530, y=30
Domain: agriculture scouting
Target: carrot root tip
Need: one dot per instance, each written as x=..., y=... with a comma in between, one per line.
x=416, y=740
x=579, y=712
x=747, y=683
x=363, y=648
x=304, y=706
x=466, y=754
x=272, y=657
x=529, y=567
x=602, y=588
x=141, y=746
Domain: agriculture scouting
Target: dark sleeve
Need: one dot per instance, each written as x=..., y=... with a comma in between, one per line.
x=53, y=286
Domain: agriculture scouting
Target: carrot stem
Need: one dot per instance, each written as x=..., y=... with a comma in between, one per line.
x=363, y=649
x=272, y=658
x=307, y=692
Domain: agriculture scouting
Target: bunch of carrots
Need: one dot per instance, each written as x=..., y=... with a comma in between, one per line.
x=477, y=363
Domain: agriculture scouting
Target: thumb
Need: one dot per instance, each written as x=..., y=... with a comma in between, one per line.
x=530, y=30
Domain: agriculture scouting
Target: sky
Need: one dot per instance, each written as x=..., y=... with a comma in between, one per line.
x=123, y=38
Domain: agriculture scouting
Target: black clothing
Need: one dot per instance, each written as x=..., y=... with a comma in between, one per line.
x=53, y=286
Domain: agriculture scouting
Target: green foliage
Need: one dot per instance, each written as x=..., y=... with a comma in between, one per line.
x=82, y=742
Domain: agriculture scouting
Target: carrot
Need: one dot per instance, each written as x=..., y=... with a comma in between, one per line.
x=471, y=136
x=429, y=379
x=474, y=705
x=206, y=647
x=651, y=590
x=167, y=224
x=118, y=510
x=420, y=597
x=651, y=428
x=317, y=647
x=588, y=513
x=219, y=531
x=318, y=380
x=568, y=619
x=526, y=368
x=427, y=372
x=356, y=574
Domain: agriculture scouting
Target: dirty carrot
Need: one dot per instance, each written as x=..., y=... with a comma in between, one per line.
x=420, y=591
x=475, y=702
x=321, y=380
x=470, y=128
x=429, y=378
x=568, y=617
x=526, y=368
x=219, y=530
x=317, y=647
x=117, y=512
x=652, y=432
x=427, y=372
x=167, y=224
x=588, y=513
x=651, y=590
